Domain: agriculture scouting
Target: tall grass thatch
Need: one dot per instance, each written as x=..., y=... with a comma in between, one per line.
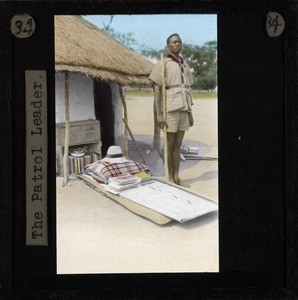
x=81, y=47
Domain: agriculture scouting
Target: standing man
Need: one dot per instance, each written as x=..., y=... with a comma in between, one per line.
x=179, y=101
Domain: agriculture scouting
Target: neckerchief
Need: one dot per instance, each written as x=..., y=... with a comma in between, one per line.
x=181, y=64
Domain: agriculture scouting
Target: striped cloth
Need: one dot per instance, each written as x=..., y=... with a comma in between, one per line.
x=104, y=170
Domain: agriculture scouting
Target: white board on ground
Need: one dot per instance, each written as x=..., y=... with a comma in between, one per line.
x=171, y=201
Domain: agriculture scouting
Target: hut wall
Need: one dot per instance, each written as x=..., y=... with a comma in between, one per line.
x=81, y=97
x=81, y=102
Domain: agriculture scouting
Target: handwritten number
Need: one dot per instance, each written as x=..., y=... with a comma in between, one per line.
x=19, y=26
x=24, y=29
x=29, y=23
x=273, y=23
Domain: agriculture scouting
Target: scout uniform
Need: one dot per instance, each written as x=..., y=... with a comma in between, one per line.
x=178, y=82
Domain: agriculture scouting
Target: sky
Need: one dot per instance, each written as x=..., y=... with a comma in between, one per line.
x=153, y=30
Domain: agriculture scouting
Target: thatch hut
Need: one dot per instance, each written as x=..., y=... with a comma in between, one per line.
x=94, y=67
x=81, y=47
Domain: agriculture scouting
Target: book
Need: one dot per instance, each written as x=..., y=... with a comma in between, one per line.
x=76, y=165
x=124, y=179
x=123, y=182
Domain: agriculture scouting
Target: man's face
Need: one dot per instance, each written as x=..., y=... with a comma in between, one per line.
x=175, y=44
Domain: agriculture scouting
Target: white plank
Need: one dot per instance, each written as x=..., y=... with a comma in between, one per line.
x=170, y=201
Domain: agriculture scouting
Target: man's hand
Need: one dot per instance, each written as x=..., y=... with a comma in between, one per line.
x=161, y=122
x=191, y=120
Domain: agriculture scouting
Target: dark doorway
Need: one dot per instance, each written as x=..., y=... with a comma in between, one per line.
x=104, y=112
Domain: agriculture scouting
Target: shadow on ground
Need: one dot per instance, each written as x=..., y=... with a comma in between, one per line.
x=154, y=159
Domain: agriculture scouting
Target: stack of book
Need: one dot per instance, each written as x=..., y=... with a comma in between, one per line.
x=76, y=165
x=123, y=182
x=145, y=178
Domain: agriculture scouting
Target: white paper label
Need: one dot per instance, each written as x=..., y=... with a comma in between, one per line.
x=36, y=158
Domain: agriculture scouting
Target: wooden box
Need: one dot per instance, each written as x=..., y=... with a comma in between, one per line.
x=80, y=132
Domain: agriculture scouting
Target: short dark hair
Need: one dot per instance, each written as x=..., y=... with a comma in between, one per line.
x=173, y=34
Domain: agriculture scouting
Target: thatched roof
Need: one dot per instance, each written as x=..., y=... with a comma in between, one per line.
x=83, y=48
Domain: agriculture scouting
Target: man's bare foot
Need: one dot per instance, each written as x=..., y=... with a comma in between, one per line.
x=171, y=179
x=182, y=183
x=178, y=181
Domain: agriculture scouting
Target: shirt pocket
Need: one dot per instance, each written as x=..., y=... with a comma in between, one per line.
x=174, y=99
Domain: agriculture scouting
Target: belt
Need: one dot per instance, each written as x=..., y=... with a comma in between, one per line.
x=177, y=85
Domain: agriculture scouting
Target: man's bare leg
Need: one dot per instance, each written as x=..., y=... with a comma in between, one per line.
x=179, y=135
x=170, y=138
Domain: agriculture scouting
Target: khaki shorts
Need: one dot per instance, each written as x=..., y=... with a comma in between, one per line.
x=178, y=121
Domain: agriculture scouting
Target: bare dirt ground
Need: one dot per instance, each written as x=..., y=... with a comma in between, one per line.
x=97, y=235
x=201, y=174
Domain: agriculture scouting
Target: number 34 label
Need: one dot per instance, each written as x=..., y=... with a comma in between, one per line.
x=22, y=26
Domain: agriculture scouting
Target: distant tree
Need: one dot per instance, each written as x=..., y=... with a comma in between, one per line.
x=201, y=59
x=150, y=52
x=107, y=26
x=207, y=81
x=126, y=39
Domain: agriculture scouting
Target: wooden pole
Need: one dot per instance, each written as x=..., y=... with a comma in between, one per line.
x=135, y=143
x=66, y=140
x=164, y=102
x=126, y=150
x=156, y=139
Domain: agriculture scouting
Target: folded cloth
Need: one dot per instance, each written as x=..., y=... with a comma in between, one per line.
x=105, y=169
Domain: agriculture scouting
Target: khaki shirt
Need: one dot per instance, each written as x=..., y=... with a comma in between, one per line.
x=179, y=96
